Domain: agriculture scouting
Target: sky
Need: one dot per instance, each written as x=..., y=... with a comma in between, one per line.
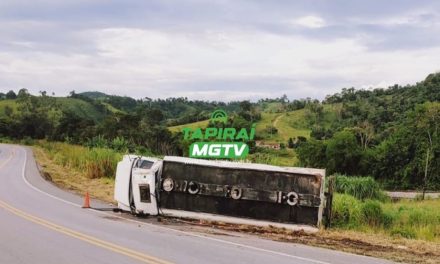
x=216, y=50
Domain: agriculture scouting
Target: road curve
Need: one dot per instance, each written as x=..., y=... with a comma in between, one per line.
x=40, y=223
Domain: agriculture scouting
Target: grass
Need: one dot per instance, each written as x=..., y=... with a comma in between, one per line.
x=292, y=124
x=360, y=187
x=199, y=124
x=93, y=162
x=81, y=108
x=111, y=108
x=409, y=219
x=74, y=179
x=267, y=120
x=283, y=157
x=7, y=103
x=289, y=125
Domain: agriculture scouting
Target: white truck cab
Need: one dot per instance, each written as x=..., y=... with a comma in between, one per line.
x=135, y=184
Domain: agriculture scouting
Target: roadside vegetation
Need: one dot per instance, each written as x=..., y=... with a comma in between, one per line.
x=364, y=221
x=361, y=205
x=78, y=168
x=94, y=162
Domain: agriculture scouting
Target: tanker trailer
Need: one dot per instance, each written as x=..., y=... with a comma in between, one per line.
x=235, y=189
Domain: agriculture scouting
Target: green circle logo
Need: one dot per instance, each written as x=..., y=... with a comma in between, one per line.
x=219, y=115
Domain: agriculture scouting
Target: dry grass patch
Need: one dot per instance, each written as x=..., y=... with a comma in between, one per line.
x=75, y=180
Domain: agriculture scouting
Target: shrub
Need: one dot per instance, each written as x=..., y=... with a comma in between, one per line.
x=97, y=142
x=27, y=141
x=346, y=211
x=360, y=187
x=120, y=144
x=372, y=213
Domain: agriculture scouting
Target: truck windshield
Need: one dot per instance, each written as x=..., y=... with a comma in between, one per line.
x=144, y=164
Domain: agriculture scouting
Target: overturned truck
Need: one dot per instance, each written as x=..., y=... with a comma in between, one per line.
x=176, y=185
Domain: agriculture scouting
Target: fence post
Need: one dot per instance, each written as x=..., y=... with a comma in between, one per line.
x=329, y=201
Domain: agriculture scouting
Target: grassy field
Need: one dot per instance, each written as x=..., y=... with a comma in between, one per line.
x=79, y=107
x=7, y=103
x=267, y=119
x=291, y=125
x=361, y=205
x=111, y=108
x=200, y=124
x=410, y=219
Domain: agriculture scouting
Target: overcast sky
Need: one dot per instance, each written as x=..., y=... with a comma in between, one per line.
x=216, y=50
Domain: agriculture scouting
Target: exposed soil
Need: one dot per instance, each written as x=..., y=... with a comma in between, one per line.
x=374, y=245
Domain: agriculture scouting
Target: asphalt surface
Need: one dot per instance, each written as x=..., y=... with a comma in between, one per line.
x=40, y=223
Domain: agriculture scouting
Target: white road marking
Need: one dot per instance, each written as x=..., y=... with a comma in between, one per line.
x=166, y=228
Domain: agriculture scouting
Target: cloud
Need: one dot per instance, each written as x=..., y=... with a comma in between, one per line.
x=310, y=22
x=221, y=50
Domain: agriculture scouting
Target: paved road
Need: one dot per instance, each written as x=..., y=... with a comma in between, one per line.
x=40, y=223
x=412, y=194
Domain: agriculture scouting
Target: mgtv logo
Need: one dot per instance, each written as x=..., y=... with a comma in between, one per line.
x=225, y=142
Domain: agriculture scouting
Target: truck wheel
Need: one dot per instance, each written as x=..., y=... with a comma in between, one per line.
x=193, y=187
x=236, y=193
x=292, y=198
x=168, y=184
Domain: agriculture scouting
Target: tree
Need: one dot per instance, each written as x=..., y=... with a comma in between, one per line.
x=8, y=111
x=343, y=153
x=428, y=123
x=22, y=93
x=365, y=133
x=11, y=95
x=312, y=153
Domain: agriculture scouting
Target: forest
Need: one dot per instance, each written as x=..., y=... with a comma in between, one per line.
x=391, y=134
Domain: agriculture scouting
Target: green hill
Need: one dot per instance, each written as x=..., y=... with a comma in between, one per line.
x=194, y=125
x=290, y=124
x=95, y=95
x=4, y=104
x=80, y=108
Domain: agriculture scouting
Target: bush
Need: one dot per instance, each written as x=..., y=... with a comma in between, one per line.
x=346, y=211
x=350, y=212
x=120, y=144
x=372, y=213
x=360, y=187
x=406, y=218
x=97, y=142
x=27, y=141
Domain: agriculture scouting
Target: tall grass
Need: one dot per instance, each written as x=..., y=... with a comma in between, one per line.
x=95, y=162
x=360, y=187
x=360, y=204
x=406, y=218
